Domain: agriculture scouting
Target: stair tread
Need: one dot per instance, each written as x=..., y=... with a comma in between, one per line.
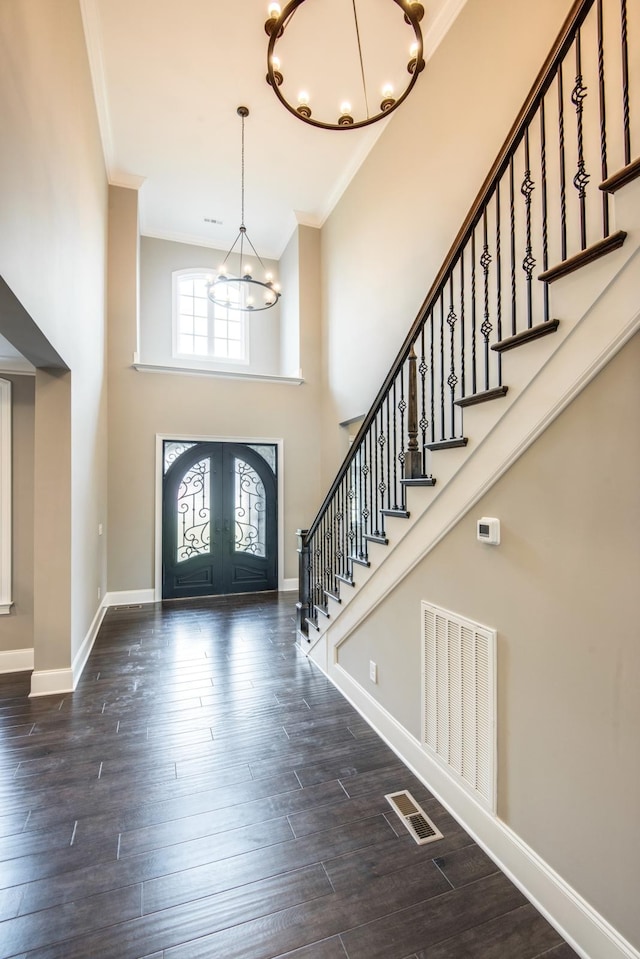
x=401, y=513
x=322, y=610
x=593, y=252
x=371, y=538
x=447, y=444
x=312, y=622
x=418, y=481
x=621, y=177
x=333, y=596
x=483, y=397
x=345, y=579
x=526, y=336
x=360, y=561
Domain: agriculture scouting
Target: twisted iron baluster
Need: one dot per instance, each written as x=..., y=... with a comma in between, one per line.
x=563, y=175
x=391, y=435
x=486, y=328
x=474, y=374
x=512, y=224
x=432, y=378
x=401, y=455
x=543, y=187
x=424, y=420
x=452, y=379
x=442, y=425
x=625, y=82
x=395, y=449
x=498, y=280
x=462, y=332
x=528, y=264
x=581, y=179
x=603, y=119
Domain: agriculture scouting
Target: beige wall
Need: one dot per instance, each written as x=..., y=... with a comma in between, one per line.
x=560, y=590
x=52, y=256
x=387, y=237
x=142, y=405
x=16, y=629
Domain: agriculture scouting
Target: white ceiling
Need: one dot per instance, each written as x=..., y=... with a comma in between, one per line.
x=168, y=77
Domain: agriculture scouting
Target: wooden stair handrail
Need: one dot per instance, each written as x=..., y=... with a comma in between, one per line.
x=543, y=81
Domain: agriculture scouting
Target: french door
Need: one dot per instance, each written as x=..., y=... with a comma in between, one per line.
x=219, y=519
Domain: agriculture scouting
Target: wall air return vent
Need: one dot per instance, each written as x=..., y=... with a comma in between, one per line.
x=459, y=699
x=414, y=817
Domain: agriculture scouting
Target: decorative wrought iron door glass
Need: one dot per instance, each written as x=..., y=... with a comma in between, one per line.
x=219, y=526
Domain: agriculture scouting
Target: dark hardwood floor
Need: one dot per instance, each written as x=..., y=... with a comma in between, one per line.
x=206, y=792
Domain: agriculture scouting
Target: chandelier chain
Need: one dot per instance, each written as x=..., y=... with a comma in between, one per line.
x=364, y=85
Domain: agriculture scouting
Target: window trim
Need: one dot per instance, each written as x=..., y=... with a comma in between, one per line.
x=208, y=361
x=6, y=540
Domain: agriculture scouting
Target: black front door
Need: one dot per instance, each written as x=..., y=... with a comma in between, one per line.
x=219, y=519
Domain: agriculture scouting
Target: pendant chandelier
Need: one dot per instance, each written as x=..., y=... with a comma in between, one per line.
x=243, y=292
x=279, y=21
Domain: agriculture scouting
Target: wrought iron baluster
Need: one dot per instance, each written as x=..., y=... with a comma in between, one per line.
x=462, y=331
x=486, y=328
x=395, y=445
x=603, y=119
x=528, y=264
x=391, y=436
x=543, y=189
x=382, y=485
x=581, y=178
x=563, y=174
x=375, y=450
x=432, y=379
x=512, y=226
x=498, y=280
x=474, y=369
x=351, y=495
x=452, y=379
x=362, y=493
x=402, y=456
x=442, y=424
x=424, y=419
x=625, y=82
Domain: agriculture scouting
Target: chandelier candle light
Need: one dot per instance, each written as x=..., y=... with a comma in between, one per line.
x=278, y=21
x=243, y=292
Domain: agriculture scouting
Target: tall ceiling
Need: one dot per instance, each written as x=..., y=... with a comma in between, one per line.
x=168, y=77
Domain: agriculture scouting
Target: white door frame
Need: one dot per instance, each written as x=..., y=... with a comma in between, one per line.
x=191, y=438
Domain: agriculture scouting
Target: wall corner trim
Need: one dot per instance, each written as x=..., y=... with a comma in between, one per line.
x=6, y=541
x=52, y=682
x=586, y=931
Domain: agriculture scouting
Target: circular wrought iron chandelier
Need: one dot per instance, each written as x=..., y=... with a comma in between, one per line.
x=243, y=292
x=275, y=26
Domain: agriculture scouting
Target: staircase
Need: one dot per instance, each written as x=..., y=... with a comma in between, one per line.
x=540, y=289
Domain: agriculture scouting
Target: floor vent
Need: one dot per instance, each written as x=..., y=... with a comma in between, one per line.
x=119, y=609
x=459, y=699
x=414, y=817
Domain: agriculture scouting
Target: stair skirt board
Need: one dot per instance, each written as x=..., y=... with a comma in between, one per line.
x=586, y=931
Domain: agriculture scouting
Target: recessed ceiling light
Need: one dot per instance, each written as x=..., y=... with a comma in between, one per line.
x=210, y=219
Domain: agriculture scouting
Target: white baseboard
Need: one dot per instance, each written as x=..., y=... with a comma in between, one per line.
x=52, y=682
x=289, y=585
x=129, y=597
x=587, y=932
x=16, y=660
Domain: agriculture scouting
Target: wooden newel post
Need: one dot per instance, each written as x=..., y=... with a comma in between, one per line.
x=413, y=455
x=303, y=606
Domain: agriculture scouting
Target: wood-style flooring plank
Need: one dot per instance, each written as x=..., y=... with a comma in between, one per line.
x=206, y=792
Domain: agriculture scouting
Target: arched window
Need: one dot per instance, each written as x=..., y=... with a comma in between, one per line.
x=203, y=330
x=5, y=496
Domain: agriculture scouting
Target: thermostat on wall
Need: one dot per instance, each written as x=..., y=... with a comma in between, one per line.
x=489, y=530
